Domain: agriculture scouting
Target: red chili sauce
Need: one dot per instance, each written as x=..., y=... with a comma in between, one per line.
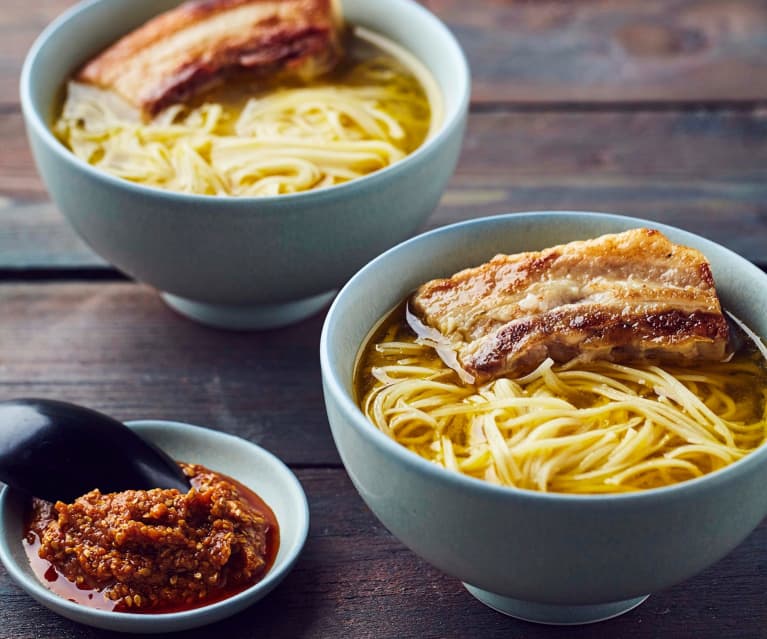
x=154, y=551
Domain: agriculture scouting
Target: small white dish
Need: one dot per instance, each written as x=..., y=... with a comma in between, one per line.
x=249, y=464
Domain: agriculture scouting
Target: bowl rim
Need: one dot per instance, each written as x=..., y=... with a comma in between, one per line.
x=185, y=618
x=428, y=470
x=452, y=120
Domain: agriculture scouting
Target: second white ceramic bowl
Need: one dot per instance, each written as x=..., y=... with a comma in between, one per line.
x=242, y=262
x=545, y=557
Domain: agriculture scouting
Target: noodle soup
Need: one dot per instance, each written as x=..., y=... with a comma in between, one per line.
x=591, y=428
x=279, y=135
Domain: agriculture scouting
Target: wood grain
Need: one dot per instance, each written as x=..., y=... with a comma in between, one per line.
x=355, y=580
x=701, y=170
x=653, y=108
x=34, y=235
x=117, y=348
x=20, y=23
x=528, y=52
x=623, y=51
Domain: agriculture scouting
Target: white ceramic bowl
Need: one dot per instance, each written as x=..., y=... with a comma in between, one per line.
x=545, y=557
x=251, y=465
x=242, y=262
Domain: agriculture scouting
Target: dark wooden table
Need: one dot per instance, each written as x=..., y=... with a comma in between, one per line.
x=654, y=108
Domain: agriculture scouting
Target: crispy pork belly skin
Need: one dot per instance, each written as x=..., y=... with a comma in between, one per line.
x=200, y=43
x=623, y=297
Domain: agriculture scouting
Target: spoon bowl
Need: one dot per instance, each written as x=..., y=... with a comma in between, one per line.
x=58, y=451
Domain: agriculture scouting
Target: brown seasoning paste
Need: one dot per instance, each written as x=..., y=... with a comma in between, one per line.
x=154, y=550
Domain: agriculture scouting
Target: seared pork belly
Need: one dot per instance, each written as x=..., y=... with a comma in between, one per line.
x=201, y=43
x=632, y=296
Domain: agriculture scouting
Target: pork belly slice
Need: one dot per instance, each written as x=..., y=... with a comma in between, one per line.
x=202, y=42
x=632, y=296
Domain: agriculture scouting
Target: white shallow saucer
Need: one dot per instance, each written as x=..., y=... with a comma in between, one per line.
x=249, y=464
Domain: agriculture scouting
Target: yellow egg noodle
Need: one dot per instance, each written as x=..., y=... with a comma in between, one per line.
x=596, y=428
x=284, y=140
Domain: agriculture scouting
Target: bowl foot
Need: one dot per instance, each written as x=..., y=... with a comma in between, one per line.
x=552, y=614
x=248, y=317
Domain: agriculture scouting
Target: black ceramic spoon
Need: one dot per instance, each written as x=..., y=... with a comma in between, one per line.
x=55, y=450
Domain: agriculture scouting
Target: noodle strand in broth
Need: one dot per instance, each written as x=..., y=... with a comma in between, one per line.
x=281, y=136
x=596, y=428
